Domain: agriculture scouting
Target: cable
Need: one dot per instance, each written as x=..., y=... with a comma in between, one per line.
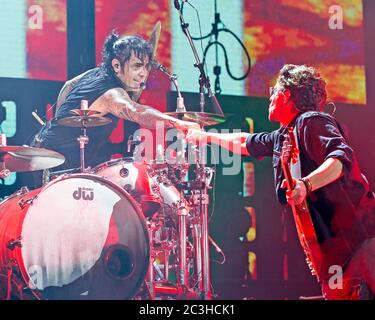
x=213, y=187
x=215, y=32
x=200, y=29
x=226, y=56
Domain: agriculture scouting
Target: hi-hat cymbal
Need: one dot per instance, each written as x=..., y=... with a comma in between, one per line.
x=203, y=118
x=84, y=121
x=85, y=112
x=24, y=158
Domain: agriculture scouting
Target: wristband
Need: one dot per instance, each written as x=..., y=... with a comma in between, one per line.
x=307, y=184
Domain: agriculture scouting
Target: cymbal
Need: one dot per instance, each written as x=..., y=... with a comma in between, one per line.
x=25, y=158
x=87, y=121
x=203, y=118
x=85, y=112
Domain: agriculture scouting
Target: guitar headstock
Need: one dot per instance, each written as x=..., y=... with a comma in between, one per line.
x=289, y=151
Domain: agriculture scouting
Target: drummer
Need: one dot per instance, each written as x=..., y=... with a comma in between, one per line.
x=112, y=89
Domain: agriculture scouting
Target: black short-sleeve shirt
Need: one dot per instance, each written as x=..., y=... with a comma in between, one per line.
x=333, y=207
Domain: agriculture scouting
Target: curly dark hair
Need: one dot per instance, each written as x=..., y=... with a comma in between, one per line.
x=307, y=87
x=121, y=48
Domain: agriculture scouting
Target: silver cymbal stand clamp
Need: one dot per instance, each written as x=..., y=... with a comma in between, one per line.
x=83, y=139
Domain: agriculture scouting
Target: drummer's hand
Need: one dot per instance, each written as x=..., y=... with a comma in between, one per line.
x=195, y=136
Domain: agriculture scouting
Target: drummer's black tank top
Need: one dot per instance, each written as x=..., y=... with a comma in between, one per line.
x=63, y=139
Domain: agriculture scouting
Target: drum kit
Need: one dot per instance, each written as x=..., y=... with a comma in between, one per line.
x=121, y=230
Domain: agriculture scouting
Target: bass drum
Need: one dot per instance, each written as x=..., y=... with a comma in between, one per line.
x=79, y=237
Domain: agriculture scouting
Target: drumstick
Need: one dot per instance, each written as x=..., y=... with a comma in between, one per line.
x=37, y=118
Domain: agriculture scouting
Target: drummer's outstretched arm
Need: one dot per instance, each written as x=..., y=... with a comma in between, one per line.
x=235, y=142
x=118, y=102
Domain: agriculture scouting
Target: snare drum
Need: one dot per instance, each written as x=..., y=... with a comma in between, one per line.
x=79, y=237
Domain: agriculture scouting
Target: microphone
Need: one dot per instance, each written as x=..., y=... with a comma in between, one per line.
x=173, y=77
x=142, y=86
x=177, y=5
x=158, y=66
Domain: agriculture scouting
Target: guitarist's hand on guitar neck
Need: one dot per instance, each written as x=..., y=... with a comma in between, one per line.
x=297, y=194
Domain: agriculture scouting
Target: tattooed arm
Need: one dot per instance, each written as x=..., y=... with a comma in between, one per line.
x=68, y=86
x=118, y=102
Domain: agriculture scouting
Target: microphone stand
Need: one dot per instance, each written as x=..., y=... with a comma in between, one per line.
x=204, y=81
x=182, y=213
x=201, y=172
x=173, y=78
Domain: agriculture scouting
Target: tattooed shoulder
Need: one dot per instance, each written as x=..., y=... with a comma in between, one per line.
x=119, y=103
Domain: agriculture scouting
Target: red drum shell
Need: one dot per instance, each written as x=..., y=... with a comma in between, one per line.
x=82, y=237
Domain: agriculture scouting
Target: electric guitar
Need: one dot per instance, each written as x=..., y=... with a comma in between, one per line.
x=301, y=214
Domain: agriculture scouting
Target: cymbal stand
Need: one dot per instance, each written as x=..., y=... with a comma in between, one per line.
x=197, y=236
x=182, y=225
x=83, y=140
x=203, y=209
x=200, y=228
x=182, y=214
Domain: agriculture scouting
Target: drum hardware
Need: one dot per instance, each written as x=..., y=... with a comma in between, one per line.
x=197, y=236
x=52, y=175
x=84, y=118
x=149, y=282
x=20, y=192
x=187, y=216
x=124, y=172
x=191, y=185
x=198, y=198
x=4, y=172
x=13, y=243
x=203, y=119
x=23, y=203
x=160, y=275
x=10, y=265
x=182, y=224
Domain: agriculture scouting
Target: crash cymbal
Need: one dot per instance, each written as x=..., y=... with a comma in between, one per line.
x=203, y=118
x=87, y=121
x=24, y=158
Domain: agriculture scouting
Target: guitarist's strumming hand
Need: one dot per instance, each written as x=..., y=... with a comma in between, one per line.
x=296, y=189
x=298, y=194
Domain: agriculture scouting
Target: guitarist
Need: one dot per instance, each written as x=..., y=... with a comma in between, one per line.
x=339, y=198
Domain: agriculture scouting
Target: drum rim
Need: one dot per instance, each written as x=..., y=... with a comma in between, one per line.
x=25, y=275
x=112, y=162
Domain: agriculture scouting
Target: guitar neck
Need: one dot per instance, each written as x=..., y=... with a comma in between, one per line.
x=305, y=228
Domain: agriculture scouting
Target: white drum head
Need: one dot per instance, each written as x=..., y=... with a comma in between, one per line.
x=74, y=225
